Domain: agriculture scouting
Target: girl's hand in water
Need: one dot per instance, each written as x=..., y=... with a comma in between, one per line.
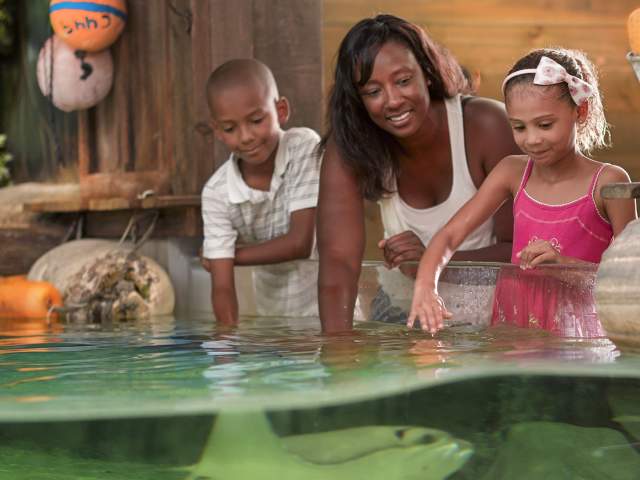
x=403, y=247
x=428, y=307
x=537, y=252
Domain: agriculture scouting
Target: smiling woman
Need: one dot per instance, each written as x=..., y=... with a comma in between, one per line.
x=402, y=132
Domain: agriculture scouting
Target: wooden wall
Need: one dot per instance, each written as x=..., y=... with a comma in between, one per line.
x=155, y=121
x=488, y=36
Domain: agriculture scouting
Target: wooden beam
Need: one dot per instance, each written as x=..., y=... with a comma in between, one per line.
x=114, y=203
x=621, y=190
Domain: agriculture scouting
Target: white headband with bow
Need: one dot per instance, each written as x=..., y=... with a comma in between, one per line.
x=550, y=72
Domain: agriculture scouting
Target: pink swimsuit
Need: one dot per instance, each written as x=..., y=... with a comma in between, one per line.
x=555, y=299
x=576, y=229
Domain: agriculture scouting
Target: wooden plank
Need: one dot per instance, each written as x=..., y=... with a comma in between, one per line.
x=22, y=247
x=148, y=109
x=502, y=11
x=172, y=222
x=114, y=203
x=293, y=53
x=221, y=31
x=127, y=130
x=66, y=206
x=621, y=190
x=170, y=201
x=84, y=155
x=598, y=27
x=180, y=126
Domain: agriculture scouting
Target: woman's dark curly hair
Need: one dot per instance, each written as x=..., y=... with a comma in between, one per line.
x=367, y=149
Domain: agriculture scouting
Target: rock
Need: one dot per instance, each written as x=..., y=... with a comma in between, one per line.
x=617, y=291
x=105, y=280
x=536, y=450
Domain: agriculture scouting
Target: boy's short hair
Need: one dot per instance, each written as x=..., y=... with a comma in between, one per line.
x=238, y=71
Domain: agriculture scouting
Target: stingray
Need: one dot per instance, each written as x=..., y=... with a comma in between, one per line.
x=243, y=446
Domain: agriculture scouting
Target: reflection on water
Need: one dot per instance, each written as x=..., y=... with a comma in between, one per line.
x=138, y=400
x=145, y=367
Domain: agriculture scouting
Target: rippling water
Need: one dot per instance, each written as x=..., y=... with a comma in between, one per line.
x=179, y=373
x=144, y=368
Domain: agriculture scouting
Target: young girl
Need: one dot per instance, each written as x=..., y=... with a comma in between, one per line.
x=556, y=116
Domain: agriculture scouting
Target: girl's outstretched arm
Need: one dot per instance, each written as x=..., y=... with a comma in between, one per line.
x=427, y=306
x=341, y=240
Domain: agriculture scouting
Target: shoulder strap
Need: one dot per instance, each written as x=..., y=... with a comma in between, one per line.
x=525, y=176
x=594, y=180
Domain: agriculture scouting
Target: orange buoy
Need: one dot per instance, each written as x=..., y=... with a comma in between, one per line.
x=22, y=298
x=633, y=29
x=88, y=26
x=13, y=278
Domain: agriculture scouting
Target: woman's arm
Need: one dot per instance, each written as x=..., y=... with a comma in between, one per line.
x=296, y=244
x=341, y=240
x=489, y=139
x=427, y=306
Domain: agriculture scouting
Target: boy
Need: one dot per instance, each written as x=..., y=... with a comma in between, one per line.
x=259, y=207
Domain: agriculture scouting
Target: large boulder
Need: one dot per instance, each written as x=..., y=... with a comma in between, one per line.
x=617, y=291
x=106, y=280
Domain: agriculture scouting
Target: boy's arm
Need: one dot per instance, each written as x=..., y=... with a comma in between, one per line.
x=296, y=244
x=223, y=290
x=218, y=249
x=301, y=190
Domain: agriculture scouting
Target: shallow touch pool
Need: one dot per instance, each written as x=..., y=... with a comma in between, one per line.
x=139, y=400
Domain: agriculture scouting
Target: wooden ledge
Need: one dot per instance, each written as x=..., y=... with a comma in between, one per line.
x=621, y=190
x=112, y=204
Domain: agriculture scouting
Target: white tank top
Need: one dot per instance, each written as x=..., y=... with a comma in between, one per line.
x=398, y=217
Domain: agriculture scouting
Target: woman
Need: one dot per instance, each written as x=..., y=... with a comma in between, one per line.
x=401, y=133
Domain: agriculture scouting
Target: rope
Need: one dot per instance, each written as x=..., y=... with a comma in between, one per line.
x=145, y=236
x=74, y=229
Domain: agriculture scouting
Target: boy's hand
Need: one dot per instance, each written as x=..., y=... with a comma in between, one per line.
x=203, y=261
x=403, y=247
x=428, y=307
x=537, y=252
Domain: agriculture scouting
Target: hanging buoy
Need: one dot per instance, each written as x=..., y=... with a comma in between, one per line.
x=76, y=79
x=88, y=26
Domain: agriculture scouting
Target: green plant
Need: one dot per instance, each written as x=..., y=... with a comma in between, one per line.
x=6, y=26
x=5, y=158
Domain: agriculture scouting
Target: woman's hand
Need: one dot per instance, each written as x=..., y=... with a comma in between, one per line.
x=428, y=307
x=537, y=252
x=403, y=247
